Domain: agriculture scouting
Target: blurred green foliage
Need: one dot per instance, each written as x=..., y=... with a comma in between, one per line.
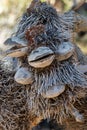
x=67, y=3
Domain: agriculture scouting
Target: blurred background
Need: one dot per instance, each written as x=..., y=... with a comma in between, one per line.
x=11, y=11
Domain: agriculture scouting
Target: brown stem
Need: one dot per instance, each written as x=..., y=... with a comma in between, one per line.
x=78, y=5
x=81, y=23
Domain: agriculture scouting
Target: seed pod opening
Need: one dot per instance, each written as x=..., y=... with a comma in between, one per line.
x=17, y=52
x=41, y=57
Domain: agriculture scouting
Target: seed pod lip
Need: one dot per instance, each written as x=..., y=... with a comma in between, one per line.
x=7, y=44
x=40, y=52
x=54, y=91
x=24, y=76
x=8, y=41
x=42, y=63
x=64, y=51
x=41, y=57
x=15, y=41
x=69, y=45
x=21, y=42
x=17, y=53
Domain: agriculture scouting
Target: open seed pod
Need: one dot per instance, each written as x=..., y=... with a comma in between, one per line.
x=17, y=52
x=54, y=91
x=7, y=45
x=15, y=47
x=23, y=76
x=41, y=57
x=65, y=51
x=15, y=42
x=19, y=42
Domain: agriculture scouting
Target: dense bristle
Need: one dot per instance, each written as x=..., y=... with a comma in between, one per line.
x=20, y=104
x=45, y=15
